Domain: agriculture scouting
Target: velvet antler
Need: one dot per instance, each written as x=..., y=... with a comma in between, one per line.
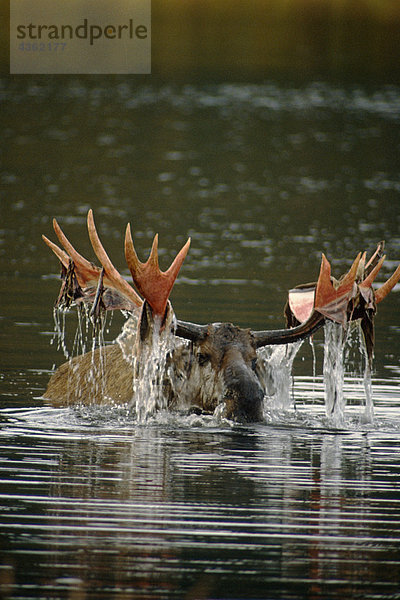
x=86, y=272
x=152, y=283
x=301, y=299
x=387, y=287
x=331, y=296
x=112, y=276
x=81, y=278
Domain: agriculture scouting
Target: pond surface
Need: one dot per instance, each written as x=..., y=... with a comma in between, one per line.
x=263, y=177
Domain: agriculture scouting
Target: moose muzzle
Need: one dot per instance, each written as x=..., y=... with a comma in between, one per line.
x=244, y=394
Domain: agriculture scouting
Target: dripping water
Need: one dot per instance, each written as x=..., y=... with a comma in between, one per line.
x=89, y=331
x=314, y=360
x=339, y=344
x=368, y=416
x=360, y=365
x=344, y=353
x=88, y=337
x=276, y=373
x=333, y=370
x=149, y=366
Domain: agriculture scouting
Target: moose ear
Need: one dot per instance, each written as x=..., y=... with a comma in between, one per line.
x=153, y=284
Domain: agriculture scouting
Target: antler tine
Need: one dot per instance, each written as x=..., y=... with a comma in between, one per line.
x=371, y=277
x=110, y=271
x=178, y=261
x=154, y=285
x=324, y=281
x=387, y=287
x=361, y=267
x=78, y=259
x=376, y=255
x=153, y=258
x=131, y=257
x=332, y=298
x=347, y=281
x=61, y=255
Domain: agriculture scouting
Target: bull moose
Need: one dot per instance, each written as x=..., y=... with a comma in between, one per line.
x=187, y=366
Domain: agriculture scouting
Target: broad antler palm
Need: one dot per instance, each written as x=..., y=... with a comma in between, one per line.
x=360, y=302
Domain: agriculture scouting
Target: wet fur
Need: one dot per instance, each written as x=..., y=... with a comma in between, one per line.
x=196, y=376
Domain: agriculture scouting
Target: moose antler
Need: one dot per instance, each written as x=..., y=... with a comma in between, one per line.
x=331, y=296
x=330, y=301
x=154, y=285
x=81, y=278
x=112, y=276
x=301, y=299
x=359, y=304
x=349, y=298
x=83, y=281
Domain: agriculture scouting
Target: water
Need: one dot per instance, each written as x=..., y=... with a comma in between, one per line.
x=263, y=177
x=94, y=508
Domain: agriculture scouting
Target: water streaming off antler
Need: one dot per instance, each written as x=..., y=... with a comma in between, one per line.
x=150, y=370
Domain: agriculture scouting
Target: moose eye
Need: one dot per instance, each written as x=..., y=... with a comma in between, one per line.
x=203, y=358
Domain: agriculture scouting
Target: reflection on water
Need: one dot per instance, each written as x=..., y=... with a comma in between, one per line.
x=197, y=510
x=263, y=178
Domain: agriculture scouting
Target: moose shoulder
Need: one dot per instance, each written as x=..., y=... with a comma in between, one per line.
x=197, y=367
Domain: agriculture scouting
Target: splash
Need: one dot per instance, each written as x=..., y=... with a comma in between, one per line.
x=154, y=376
x=368, y=416
x=342, y=350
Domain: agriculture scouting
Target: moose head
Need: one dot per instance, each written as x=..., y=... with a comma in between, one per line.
x=206, y=367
